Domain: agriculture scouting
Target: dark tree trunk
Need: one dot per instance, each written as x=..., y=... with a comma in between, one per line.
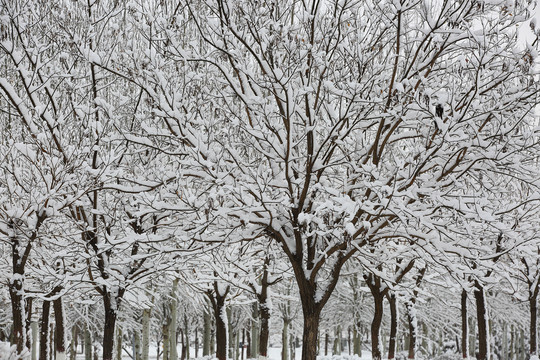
x=183, y=353
x=482, y=322
x=28, y=322
x=221, y=333
x=196, y=342
x=44, y=331
x=59, y=335
x=326, y=340
x=207, y=333
x=243, y=344
x=248, y=344
x=17, y=309
x=464, y=326
x=264, y=312
x=349, y=340
x=533, y=313
x=393, y=326
x=412, y=333
x=218, y=305
x=376, y=327
x=108, y=329
x=311, y=330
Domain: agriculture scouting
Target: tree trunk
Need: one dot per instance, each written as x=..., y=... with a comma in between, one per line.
x=311, y=329
x=248, y=349
x=145, y=334
x=166, y=341
x=221, y=329
x=119, y=336
x=532, y=334
x=482, y=316
x=413, y=330
x=186, y=327
x=196, y=342
x=59, y=332
x=87, y=344
x=284, y=340
x=264, y=312
x=326, y=341
x=376, y=352
x=505, y=341
x=522, y=344
x=207, y=333
x=472, y=339
x=183, y=343
x=73, y=346
x=243, y=343
x=393, y=326
x=464, y=326
x=337, y=341
x=349, y=341
x=292, y=347
x=173, y=353
x=34, y=327
x=16, y=294
x=44, y=331
x=255, y=331
x=108, y=328
x=51, y=343
x=230, y=333
x=28, y=321
x=357, y=341
x=137, y=353
x=236, y=345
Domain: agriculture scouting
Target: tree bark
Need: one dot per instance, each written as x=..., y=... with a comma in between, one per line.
x=137, y=348
x=464, y=326
x=17, y=310
x=533, y=351
x=337, y=341
x=221, y=330
x=196, y=345
x=505, y=341
x=166, y=341
x=109, y=327
x=255, y=331
x=59, y=330
x=34, y=327
x=248, y=341
x=265, y=320
x=173, y=352
x=217, y=298
x=413, y=330
x=51, y=343
x=87, y=344
x=44, y=331
x=230, y=333
x=146, y=334
x=207, y=332
x=119, y=336
x=311, y=330
x=393, y=325
x=285, y=340
x=28, y=321
x=326, y=341
x=482, y=316
x=73, y=346
x=376, y=327
x=349, y=341
x=243, y=343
